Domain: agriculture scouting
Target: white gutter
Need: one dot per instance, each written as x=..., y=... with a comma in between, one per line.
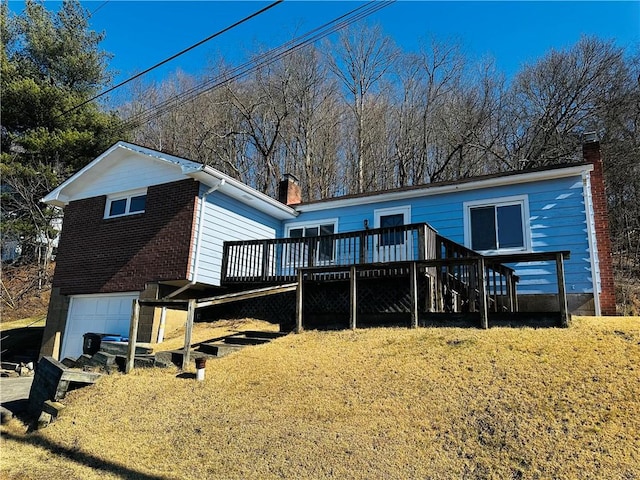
x=593, y=246
x=196, y=259
x=244, y=193
x=428, y=190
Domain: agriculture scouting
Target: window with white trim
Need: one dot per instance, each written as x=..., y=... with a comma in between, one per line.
x=498, y=225
x=322, y=250
x=129, y=204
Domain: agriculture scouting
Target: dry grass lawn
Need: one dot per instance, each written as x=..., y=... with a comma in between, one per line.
x=441, y=403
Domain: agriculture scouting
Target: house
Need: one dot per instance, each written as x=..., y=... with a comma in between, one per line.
x=142, y=224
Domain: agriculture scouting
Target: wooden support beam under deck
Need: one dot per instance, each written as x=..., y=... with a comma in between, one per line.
x=133, y=335
x=413, y=274
x=562, y=291
x=353, y=297
x=245, y=295
x=299, y=302
x=191, y=310
x=482, y=294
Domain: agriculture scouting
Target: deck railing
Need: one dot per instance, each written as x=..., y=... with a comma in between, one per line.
x=461, y=273
x=261, y=261
x=460, y=278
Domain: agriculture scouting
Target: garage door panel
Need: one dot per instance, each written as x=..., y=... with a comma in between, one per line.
x=96, y=314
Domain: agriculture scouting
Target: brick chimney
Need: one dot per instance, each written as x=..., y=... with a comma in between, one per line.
x=591, y=154
x=289, y=191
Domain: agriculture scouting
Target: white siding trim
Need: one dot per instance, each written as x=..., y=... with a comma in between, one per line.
x=593, y=244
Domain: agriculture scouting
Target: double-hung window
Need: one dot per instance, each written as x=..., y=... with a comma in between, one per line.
x=126, y=204
x=498, y=225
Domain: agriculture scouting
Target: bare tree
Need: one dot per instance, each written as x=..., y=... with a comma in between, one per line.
x=557, y=99
x=360, y=59
x=311, y=134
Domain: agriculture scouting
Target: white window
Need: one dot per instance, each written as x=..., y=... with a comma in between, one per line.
x=126, y=204
x=497, y=225
x=322, y=250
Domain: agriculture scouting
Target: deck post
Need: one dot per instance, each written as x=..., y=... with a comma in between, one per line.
x=422, y=242
x=133, y=335
x=482, y=294
x=473, y=288
x=363, y=247
x=510, y=292
x=562, y=292
x=191, y=311
x=299, y=302
x=353, y=297
x=265, y=259
x=413, y=273
x=226, y=248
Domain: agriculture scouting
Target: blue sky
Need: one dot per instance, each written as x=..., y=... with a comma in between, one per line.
x=142, y=33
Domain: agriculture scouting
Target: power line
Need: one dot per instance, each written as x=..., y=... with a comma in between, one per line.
x=144, y=72
x=98, y=8
x=260, y=61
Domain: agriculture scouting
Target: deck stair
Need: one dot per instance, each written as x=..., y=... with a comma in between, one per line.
x=222, y=346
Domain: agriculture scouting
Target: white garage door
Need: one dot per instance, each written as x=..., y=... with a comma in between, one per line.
x=106, y=313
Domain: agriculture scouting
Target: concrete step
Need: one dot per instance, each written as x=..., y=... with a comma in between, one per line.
x=122, y=348
x=219, y=349
x=242, y=340
x=252, y=337
x=174, y=357
x=257, y=334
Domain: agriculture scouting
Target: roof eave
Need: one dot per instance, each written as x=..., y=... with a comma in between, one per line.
x=244, y=193
x=429, y=190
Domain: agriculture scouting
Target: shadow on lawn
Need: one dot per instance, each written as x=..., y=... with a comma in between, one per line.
x=75, y=455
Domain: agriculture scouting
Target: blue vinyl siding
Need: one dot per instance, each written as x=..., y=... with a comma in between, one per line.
x=228, y=219
x=557, y=221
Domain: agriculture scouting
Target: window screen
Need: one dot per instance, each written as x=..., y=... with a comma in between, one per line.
x=483, y=228
x=510, y=226
x=495, y=227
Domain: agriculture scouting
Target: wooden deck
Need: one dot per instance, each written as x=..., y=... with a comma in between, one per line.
x=440, y=275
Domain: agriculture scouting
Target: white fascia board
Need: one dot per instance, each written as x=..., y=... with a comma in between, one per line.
x=241, y=192
x=181, y=162
x=57, y=197
x=524, y=177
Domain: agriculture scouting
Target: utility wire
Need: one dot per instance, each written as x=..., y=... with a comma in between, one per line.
x=258, y=62
x=138, y=75
x=99, y=7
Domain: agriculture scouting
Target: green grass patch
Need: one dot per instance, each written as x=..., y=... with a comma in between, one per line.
x=37, y=321
x=380, y=403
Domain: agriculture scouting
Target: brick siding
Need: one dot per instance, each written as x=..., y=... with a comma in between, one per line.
x=98, y=255
x=591, y=153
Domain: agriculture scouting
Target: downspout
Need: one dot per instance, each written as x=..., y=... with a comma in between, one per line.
x=591, y=235
x=196, y=259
